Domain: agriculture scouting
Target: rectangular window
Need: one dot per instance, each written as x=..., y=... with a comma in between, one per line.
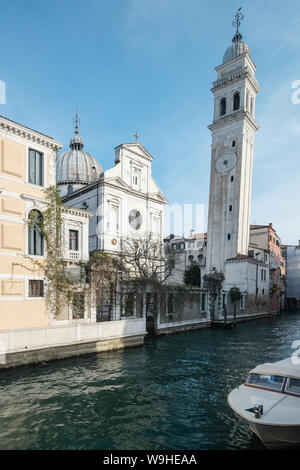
x=35, y=167
x=293, y=386
x=272, y=382
x=73, y=240
x=136, y=178
x=36, y=288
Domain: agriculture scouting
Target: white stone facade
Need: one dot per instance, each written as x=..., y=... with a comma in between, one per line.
x=125, y=201
x=233, y=131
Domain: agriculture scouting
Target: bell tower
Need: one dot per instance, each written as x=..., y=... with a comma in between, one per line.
x=233, y=130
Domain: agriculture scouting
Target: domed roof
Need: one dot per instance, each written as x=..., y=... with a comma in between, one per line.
x=237, y=48
x=75, y=165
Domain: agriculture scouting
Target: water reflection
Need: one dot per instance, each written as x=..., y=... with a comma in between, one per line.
x=169, y=394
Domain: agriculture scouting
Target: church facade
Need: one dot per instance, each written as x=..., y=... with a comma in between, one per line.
x=125, y=199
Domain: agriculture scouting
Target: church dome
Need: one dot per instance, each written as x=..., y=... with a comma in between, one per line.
x=76, y=167
x=237, y=48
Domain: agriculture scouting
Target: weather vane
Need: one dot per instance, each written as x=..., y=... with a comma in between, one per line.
x=76, y=120
x=238, y=18
x=136, y=136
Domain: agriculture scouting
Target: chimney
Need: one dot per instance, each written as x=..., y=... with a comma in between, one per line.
x=299, y=242
x=192, y=232
x=270, y=224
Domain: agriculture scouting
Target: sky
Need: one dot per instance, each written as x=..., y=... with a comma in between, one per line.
x=148, y=66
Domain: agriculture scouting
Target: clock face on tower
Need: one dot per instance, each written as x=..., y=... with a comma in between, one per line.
x=226, y=162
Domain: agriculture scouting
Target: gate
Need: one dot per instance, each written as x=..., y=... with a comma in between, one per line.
x=151, y=311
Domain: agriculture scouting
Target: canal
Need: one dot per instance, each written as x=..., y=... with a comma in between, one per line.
x=169, y=394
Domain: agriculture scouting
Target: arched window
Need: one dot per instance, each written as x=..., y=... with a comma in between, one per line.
x=35, y=235
x=70, y=189
x=236, y=101
x=222, y=106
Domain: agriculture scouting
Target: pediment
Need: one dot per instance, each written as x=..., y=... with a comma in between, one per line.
x=117, y=181
x=159, y=197
x=138, y=149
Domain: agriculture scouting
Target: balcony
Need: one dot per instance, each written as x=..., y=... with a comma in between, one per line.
x=74, y=255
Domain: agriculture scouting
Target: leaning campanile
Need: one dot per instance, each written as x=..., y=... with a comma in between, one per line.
x=233, y=130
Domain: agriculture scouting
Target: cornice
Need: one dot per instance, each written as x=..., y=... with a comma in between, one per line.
x=111, y=184
x=76, y=211
x=233, y=117
x=236, y=77
x=29, y=134
x=29, y=197
x=237, y=59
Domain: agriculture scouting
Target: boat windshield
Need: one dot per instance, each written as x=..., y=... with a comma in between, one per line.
x=293, y=386
x=271, y=382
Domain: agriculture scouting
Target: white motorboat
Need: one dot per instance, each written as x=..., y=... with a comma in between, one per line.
x=270, y=402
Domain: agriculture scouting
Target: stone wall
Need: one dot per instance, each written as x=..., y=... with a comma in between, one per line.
x=181, y=308
x=24, y=346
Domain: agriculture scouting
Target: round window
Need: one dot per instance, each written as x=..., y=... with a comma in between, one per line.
x=135, y=219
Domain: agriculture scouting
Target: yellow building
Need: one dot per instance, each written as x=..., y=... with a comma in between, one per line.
x=29, y=331
x=27, y=166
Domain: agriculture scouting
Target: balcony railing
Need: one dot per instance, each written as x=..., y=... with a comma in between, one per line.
x=74, y=255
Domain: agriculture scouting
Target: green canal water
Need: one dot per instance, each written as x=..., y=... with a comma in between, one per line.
x=169, y=394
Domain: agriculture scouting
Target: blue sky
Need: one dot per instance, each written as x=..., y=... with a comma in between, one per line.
x=148, y=65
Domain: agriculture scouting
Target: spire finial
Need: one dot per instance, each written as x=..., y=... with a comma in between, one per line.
x=136, y=136
x=76, y=120
x=76, y=143
x=238, y=18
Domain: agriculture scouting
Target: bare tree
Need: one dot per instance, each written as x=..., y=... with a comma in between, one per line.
x=144, y=257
